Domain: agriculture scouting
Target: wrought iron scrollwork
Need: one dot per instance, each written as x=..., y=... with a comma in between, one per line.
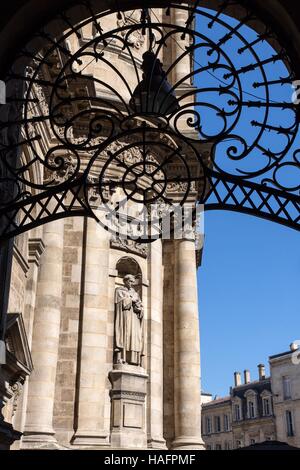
x=219, y=123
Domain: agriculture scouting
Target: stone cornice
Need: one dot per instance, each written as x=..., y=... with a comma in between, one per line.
x=36, y=248
x=128, y=395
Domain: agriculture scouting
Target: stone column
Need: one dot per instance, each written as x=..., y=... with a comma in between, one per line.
x=35, y=250
x=38, y=429
x=183, y=67
x=92, y=373
x=187, y=389
x=185, y=91
x=155, y=340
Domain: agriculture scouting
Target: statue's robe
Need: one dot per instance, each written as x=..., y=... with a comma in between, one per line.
x=129, y=337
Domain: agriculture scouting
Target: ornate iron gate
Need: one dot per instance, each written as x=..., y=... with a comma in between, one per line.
x=240, y=123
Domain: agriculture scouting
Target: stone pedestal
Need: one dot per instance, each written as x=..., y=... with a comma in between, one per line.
x=128, y=407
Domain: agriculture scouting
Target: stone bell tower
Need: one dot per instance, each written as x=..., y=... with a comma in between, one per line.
x=112, y=324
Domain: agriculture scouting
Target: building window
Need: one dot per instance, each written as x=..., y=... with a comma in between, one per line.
x=227, y=445
x=289, y=424
x=208, y=426
x=237, y=412
x=287, y=389
x=226, y=423
x=208, y=447
x=252, y=442
x=251, y=409
x=218, y=424
x=218, y=447
x=267, y=406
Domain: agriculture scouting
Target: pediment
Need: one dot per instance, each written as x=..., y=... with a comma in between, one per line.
x=250, y=393
x=266, y=393
x=18, y=351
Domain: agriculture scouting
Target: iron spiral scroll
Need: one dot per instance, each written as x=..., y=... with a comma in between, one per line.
x=220, y=122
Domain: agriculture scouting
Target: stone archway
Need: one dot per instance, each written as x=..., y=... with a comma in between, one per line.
x=185, y=434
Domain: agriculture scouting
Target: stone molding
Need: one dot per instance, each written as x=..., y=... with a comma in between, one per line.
x=21, y=260
x=127, y=395
x=129, y=246
x=36, y=248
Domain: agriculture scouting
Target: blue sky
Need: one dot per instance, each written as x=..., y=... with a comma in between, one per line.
x=249, y=295
x=247, y=125
x=249, y=282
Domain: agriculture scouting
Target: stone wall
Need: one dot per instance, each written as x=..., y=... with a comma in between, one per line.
x=20, y=269
x=69, y=330
x=283, y=367
x=168, y=340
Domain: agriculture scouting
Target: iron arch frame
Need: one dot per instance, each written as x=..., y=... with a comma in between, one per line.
x=238, y=173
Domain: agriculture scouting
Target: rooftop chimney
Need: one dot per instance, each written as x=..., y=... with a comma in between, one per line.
x=261, y=371
x=237, y=379
x=247, y=376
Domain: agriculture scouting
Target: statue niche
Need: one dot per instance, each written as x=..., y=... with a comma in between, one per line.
x=129, y=324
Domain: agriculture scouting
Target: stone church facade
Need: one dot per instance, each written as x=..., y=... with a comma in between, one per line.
x=63, y=387
x=69, y=381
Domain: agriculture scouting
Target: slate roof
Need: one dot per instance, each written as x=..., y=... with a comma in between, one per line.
x=270, y=445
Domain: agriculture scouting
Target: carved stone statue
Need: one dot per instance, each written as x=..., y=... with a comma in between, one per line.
x=129, y=324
